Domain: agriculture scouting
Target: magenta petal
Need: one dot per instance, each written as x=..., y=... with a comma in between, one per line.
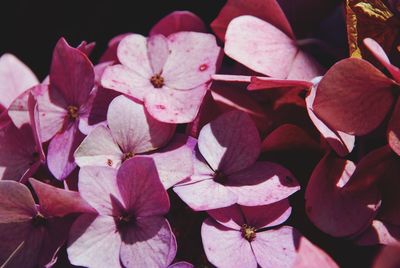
x=71, y=73
x=267, y=215
x=99, y=149
x=94, y=242
x=175, y=106
x=388, y=257
x=205, y=195
x=226, y=247
x=158, y=52
x=174, y=162
x=15, y=78
x=260, y=46
x=60, y=154
x=353, y=97
x=342, y=143
x=261, y=184
x=150, y=243
x=259, y=83
x=393, y=131
x=333, y=205
x=178, y=21
x=58, y=202
x=276, y=248
x=230, y=143
x=97, y=185
x=16, y=204
x=192, y=61
x=310, y=256
x=141, y=188
x=122, y=79
x=132, y=53
x=231, y=217
x=134, y=129
x=379, y=233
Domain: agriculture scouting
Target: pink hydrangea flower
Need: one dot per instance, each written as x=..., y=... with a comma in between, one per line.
x=130, y=229
x=235, y=236
x=169, y=74
x=31, y=234
x=61, y=107
x=226, y=171
x=133, y=131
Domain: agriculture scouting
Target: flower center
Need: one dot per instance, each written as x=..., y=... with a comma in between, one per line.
x=127, y=156
x=125, y=220
x=39, y=220
x=157, y=81
x=220, y=177
x=72, y=112
x=248, y=232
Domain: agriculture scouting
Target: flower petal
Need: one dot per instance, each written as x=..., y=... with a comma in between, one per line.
x=310, y=256
x=353, y=97
x=231, y=217
x=158, y=52
x=276, y=248
x=150, y=243
x=304, y=67
x=94, y=242
x=225, y=247
x=379, y=233
x=134, y=129
x=141, y=188
x=393, y=131
x=260, y=46
x=71, y=73
x=178, y=21
x=261, y=184
x=230, y=143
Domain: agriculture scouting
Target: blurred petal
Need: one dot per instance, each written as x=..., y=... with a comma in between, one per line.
x=388, y=257
x=311, y=256
x=393, y=131
x=178, y=21
x=379, y=233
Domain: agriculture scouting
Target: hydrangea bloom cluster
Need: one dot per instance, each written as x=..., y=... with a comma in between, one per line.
x=242, y=148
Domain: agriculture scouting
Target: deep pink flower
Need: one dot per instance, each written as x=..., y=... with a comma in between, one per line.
x=133, y=131
x=130, y=228
x=388, y=257
x=236, y=237
x=60, y=108
x=226, y=171
x=31, y=234
x=169, y=74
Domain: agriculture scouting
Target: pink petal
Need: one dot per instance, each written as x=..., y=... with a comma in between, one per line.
x=99, y=149
x=388, y=257
x=134, y=129
x=261, y=184
x=205, y=195
x=260, y=46
x=97, y=185
x=192, y=61
x=230, y=143
x=175, y=106
x=340, y=142
x=60, y=154
x=127, y=81
x=379, y=233
x=231, y=217
x=51, y=117
x=150, y=243
x=353, y=97
x=393, y=131
x=381, y=56
x=16, y=204
x=276, y=248
x=225, y=247
x=158, y=52
x=71, y=73
x=15, y=78
x=19, y=156
x=94, y=242
x=310, y=256
x=174, y=163
x=267, y=215
x=141, y=188
x=178, y=21
x=259, y=83
x=304, y=67
x=132, y=53
x=269, y=11
x=181, y=264
x=332, y=205
x=57, y=202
